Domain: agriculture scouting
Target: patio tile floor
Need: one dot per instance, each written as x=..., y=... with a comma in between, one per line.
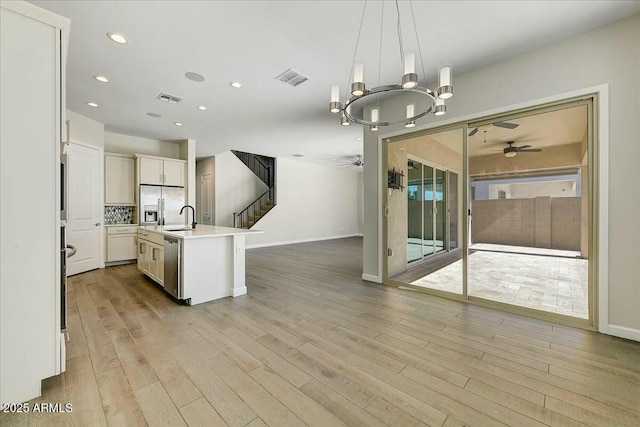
x=549, y=283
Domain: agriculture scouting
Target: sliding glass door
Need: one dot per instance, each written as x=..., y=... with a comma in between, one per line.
x=427, y=210
x=500, y=212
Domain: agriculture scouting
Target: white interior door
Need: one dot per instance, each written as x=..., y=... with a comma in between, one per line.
x=83, y=215
x=206, y=199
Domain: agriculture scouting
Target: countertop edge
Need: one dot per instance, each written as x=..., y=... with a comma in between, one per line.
x=184, y=235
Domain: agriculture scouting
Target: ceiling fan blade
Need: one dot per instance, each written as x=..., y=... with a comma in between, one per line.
x=473, y=132
x=523, y=146
x=506, y=125
x=530, y=150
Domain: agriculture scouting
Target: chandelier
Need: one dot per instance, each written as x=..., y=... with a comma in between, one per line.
x=404, y=102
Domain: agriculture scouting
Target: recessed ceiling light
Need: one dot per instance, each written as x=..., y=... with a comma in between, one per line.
x=298, y=155
x=101, y=79
x=177, y=123
x=92, y=104
x=118, y=38
x=154, y=115
x=359, y=138
x=194, y=76
x=237, y=85
x=202, y=108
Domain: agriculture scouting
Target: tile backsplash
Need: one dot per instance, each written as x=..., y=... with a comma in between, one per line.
x=118, y=214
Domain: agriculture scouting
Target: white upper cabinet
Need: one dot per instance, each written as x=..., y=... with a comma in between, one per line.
x=161, y=171
x=174, y=172
x=151, y=171
x=119, y=180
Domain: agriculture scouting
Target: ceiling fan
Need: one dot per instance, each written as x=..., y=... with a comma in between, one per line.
x=353, y=161
x=506, y=125
x=512, y=151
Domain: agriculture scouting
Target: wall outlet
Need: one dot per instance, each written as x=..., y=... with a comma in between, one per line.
x=389, y=252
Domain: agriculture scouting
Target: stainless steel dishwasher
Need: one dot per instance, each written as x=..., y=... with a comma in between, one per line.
x=173, y=266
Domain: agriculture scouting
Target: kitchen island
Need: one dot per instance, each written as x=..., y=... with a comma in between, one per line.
x=194, y=265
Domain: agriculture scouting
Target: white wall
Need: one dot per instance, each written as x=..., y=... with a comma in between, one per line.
x=528, y=190
x=607, y=55
x=313, y=203
x=126, y=144
x=235, y=187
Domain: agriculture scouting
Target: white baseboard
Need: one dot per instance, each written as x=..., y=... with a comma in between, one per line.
x=311, y=239
x=624, y=332
x=236, y=292
x=371, y=278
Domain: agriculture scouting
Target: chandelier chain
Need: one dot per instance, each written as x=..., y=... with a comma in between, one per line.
x=380, y=48
x=399, y=28
x=415, y=29
x=355, y=51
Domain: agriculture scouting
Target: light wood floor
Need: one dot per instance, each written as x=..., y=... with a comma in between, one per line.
x=313, y=344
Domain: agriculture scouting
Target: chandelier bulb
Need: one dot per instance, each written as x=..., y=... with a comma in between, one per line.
x=358, y=73
x=445, y=84
x=409, y=63
x=375, y=115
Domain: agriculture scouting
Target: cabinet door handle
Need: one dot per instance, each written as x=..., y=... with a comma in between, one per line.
x=141, y=248
x=153, y=254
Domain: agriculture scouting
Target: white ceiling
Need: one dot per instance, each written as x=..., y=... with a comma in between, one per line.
x=254, y=41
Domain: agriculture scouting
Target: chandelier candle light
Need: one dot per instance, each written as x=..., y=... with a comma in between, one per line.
x=363, y=106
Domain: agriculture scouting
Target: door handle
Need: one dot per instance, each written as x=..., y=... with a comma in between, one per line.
x=72, y=249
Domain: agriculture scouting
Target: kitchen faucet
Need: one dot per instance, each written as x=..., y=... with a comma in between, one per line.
x=193, y=213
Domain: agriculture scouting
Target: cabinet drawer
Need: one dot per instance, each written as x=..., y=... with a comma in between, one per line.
x=156, y=238
x=122, y=230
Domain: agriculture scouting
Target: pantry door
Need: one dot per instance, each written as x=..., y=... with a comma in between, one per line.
x=83, y=215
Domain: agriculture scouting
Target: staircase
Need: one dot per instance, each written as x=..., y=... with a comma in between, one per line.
x=264, y=168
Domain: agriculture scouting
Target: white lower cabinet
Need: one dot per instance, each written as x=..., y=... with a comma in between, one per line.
x=121, y=243
x=151, y=255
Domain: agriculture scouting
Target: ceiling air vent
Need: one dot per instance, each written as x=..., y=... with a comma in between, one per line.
x=292, y=77
x=169, y=98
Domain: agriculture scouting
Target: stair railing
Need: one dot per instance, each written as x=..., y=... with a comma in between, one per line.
x=258, y=167
x=249, y=215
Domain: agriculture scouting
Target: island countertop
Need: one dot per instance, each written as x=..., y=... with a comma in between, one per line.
x=200, y=232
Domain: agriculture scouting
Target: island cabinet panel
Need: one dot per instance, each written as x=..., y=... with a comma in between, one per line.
x=151, y=255
x=207, y=268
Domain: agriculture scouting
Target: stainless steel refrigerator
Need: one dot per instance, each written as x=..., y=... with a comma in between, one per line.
x=161, y=205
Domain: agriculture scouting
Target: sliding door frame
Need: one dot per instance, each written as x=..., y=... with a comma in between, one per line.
x=596, y=269
x=463, y=128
